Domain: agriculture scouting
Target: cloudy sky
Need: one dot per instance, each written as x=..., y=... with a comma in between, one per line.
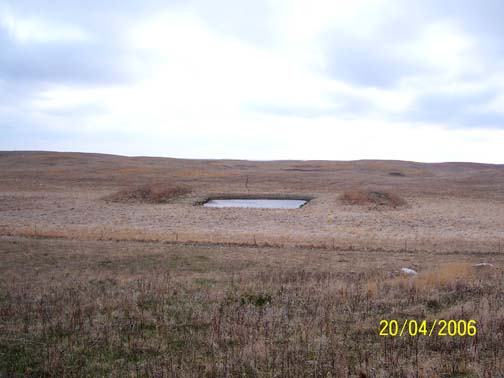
x=262, y=79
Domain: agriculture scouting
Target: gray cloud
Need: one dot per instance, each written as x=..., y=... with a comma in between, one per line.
x=245, y=20
x=479, y=18
x=368, y=63
x=456, y=109
x=93, y=15
x=249, y=21
x=105, y=58
x=68, y=62
x=340, y=105
x=28, y=68
x=381, y=59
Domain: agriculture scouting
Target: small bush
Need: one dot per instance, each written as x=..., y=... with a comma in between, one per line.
x=398, y=174
x=372, y=198
x=258, y=300
x=157, y=193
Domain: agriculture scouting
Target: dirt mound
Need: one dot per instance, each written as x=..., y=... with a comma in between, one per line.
x=373, y=198
x=156, y=193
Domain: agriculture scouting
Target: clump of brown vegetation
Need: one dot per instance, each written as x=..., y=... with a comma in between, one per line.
x=397, y=174
x=153, y=193
x=373, y=198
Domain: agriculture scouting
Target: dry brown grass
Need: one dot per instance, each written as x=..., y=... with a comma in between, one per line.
x=446, y=274
x=152, y=193
x=373, y=198
x=107, y=309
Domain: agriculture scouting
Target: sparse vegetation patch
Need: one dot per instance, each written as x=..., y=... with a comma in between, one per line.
x=155, y=193
x=372, y=198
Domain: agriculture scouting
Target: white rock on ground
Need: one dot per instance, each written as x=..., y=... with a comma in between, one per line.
x=483, y=265
x=409, y=271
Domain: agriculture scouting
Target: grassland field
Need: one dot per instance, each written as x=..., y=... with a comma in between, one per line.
x=94, y=288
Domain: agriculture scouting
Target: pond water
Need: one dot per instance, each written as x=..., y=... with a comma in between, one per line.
x=257, y=203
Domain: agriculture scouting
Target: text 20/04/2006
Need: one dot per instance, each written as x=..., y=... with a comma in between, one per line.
x=442, y=327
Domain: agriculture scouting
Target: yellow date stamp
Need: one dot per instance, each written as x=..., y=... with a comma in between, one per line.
x=441, y=327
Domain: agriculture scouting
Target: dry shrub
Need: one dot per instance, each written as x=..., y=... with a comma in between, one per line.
x=371, y=288
x=372, y=198
x=155, y=193
x=445, y=275
x=397, y=174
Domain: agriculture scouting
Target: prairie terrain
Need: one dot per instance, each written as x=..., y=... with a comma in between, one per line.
x=450, y=206
x=94, y=288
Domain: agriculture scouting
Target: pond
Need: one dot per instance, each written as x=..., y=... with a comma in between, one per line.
x=257, y=203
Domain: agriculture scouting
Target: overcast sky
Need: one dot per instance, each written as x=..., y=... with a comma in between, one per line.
x=277, y=79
